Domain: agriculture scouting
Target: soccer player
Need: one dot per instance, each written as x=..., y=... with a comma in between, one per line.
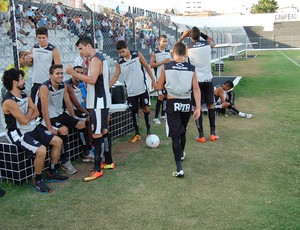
x=44, y=54
x=132, y=64
x=199, y=53
x=53, y=98
x=20, y=115
x=179, y=78
x=224, y=98
x=80, y=112
x=160, y=56
x=98, y=102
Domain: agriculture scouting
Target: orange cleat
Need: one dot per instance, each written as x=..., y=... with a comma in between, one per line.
x=108, y=166
x=93, y=175
x=213, y=137
x=136, y=138
x=201, y=139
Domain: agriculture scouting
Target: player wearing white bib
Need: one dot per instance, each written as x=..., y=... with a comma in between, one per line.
x=199, y=53
x=159, y=57
x=98, y=102
x=131, y=65
x=179, y=79
x=44, y=55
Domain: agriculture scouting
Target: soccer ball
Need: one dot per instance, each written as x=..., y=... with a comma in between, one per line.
x=152, y=141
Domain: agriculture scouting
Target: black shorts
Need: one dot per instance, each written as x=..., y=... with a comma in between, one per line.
x=31, y=141
x=64, y=120
x=207, y=93
x=99, y=120
x=178, y=116
x=139, y=101
x=80, y=116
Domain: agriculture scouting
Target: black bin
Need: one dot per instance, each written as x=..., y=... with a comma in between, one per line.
x=118, y=93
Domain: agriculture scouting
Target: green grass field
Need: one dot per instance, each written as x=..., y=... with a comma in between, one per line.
x=248, y=179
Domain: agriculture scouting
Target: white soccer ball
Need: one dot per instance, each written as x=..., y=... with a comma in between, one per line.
x=152, y=141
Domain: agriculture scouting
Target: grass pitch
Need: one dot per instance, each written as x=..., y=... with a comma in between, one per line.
x=248, y=179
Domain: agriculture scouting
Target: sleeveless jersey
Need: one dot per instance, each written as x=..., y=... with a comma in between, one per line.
x=42, y=60
x=13, y=126
x=77, y=91
x=218, y=102
x=160, y=56
x=200, y=57
x=133, y=73
x=98, y=95
x=55, y=100
x=179, y=78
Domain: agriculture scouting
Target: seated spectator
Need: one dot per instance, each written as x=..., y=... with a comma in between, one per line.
x=20, y=115
x=19, y=30
x=30, y=15
x=224, y=98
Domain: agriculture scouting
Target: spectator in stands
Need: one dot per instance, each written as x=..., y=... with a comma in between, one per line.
x=19, y=30
x=4, y=12
x=53, y=99
x=99, y=38
x=59, y=10
x=224, y=98
x=18, y=14
x=128, y=63
x=179, y=79
x=80, y=112
x=25, y=62
x=43, y=54
x=159, y=57
x=20, y=115
x=98, y=103
x=30, y=15
x=199, y=53
x=142, y=39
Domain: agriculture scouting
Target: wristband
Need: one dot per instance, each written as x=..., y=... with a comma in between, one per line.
x=204, y=36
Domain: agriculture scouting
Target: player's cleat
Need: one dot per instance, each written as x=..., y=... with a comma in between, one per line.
x=213, y=137
x=68, y=168
x=156, y=121
x=178, y=174
x=55, y=177
x=108, y=166
x=93, y=176
x=248, y=115
x=163, y=117
x=200, y=139
x=183, y=156
x=136, y=138
x=88, y=158
x=41, y=187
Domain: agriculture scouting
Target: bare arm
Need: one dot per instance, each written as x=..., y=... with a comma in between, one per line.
x=56, y=56
x=145, y=64
x=35, y=110
x=11, y=107
x=116, y=75
x=184, y=35
x=44, y=95
x=68, y=103
x=74, y=100
x=96, y=70
x=197, y=96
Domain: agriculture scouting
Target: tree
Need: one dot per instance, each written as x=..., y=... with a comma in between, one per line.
x=264, y=6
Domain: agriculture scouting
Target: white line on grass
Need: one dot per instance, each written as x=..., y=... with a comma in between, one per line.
x=297, y=64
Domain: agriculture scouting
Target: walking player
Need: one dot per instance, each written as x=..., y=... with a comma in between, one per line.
x=160, y=56
x=132, y=64
x=179, y=78
x=199, y=53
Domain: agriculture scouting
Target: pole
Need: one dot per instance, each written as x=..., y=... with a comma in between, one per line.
x=14, y=33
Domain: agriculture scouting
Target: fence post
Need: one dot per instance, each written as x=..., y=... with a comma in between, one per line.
x=13, y=32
